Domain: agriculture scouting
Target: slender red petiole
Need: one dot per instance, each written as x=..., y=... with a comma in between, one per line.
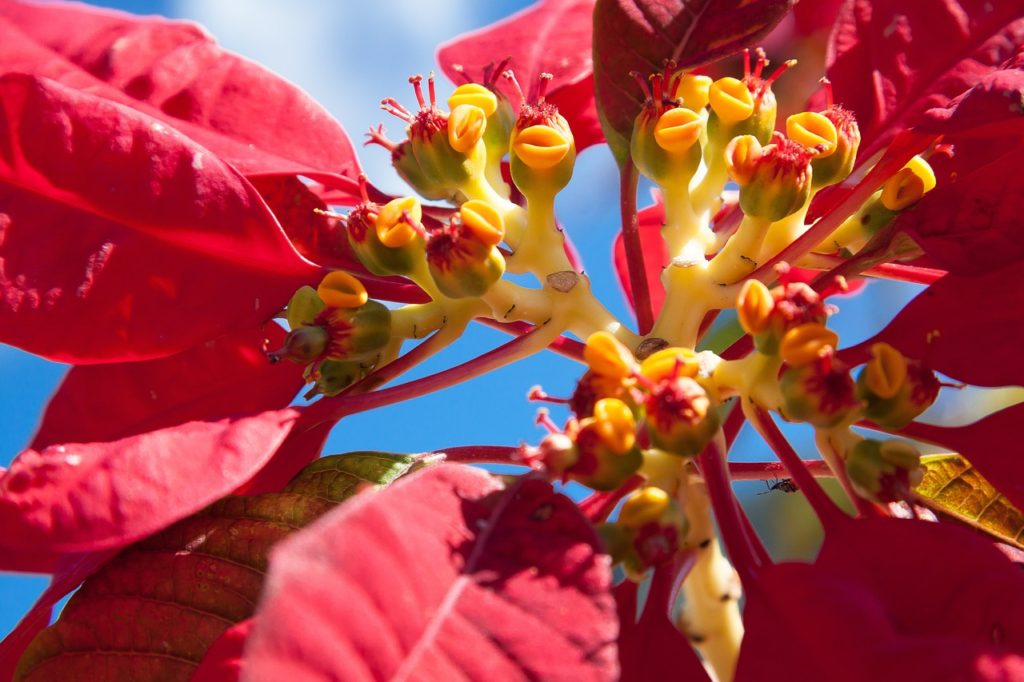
x=727, y=513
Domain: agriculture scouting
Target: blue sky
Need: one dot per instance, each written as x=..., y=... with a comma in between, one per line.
x=348, y=56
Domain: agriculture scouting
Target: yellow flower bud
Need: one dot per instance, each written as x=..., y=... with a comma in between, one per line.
x=886, y=371
x=906, y=187
x=393, y=227
x=476, y=95
x=339, y=289
x=677, y=129
x=540, y=146
x=731, y=100
x=615, y=425
x=466, y=126
x=813, y=131
x=754, y=306
x=484, y=221
x=694, y=89
x=806, y=343
x=607, y=357
x=644, y=506
x=669, y=362
x=741, y=157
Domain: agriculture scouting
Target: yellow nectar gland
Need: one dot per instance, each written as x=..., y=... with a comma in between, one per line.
x=754, y=306
x=393, y=227
x=614, y=423
x=807, y=343
x=670, y=362
x=886, y=371
x=540, y=146
x=466, y=126
x=694, y=90
x=742, y=155
x=607, y=357
x=483, y=221
x=643, y=506
x=906, y=187
x=339, y=289
x=813, y=131
x=731, y=100
x=677, y=129
x=476, y=95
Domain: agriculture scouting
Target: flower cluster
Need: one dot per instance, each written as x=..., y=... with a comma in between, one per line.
x=172, y=471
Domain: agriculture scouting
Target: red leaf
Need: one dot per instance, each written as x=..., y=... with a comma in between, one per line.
x=891, y=61
x=987, y=445
x=174, y=70
x=223, y=661
x=86, y=497
x=888, y=600
x=108, y=218
x=451, y=577
x=656, y=258
x=639, y=35
x=652, y=645
x=551, y=36
x=990, y=108
x=221, y=378
x=968, y=328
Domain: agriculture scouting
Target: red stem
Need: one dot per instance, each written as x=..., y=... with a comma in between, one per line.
x=333, y=409
x=497, y=454
x=629, y=178
x=893, y=271
x=726, y=508
x=563, y=345
x=767, y=471
x=826, y=510
x=753, y=538
x=599, y=505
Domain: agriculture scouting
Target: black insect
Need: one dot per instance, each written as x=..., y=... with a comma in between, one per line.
x=784, y=485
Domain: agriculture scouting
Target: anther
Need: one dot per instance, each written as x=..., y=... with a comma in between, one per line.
x=417, y=87
x=542, y=86
x=510, y=76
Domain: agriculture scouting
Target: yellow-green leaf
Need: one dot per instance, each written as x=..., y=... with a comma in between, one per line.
x=953, y=487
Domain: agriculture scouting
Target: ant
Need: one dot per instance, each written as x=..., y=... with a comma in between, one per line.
x=784, y=485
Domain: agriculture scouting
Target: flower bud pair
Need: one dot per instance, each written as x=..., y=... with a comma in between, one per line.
x=774, y=180
x=768, y=314
x=820, y=392
x=462, y=256
x=649, y=532
x=884, y=471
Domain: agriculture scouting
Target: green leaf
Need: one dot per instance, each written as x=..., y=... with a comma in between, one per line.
x=152, y=612
x=955, y=488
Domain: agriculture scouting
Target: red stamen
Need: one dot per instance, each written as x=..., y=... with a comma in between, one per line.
x=432, y=90
x=393, y=107
x=670, y=66
x=460, y=71
x=538, y=395
x=511, y=78
x=827, y=84
x=418, y=89
x=542, y=87
x=363, y=192
x=746, y=63
x=762, y=63
x=544, y=419
x=786, y=65
x=378, y=137
x=642, y=82
x=414, y=224
x=656, y=88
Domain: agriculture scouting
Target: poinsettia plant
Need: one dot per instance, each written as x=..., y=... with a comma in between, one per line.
x=196, y=236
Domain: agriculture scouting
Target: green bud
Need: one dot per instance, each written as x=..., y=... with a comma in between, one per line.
x=665, y=146
x=303, y=307
x=820, y=393
x=333, y=376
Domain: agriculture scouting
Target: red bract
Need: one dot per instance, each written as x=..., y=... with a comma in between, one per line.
x=107, y=215
x=451, y=575
x=888, y=600
x=85, y=497
x=553, y=36
x=638, y=35
x=175, y=71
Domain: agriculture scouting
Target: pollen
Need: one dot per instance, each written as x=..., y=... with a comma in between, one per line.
x=339, y=289
x=731, y=100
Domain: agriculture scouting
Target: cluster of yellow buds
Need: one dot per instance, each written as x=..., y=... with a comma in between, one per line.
x=337, y=331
